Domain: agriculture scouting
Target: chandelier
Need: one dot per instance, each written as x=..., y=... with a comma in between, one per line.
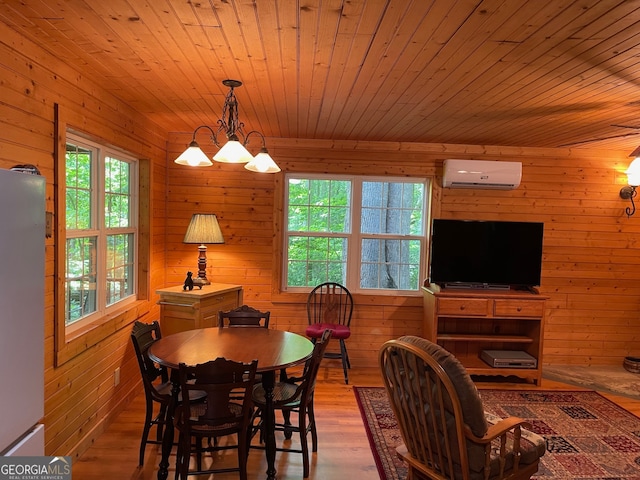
x=234, y=150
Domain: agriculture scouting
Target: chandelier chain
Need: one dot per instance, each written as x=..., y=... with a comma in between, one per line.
x=229, y=123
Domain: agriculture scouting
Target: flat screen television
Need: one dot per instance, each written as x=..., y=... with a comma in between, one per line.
x=486, y=254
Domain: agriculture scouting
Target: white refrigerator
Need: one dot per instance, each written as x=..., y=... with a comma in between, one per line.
x=22, y=257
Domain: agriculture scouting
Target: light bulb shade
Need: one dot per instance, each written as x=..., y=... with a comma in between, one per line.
x=203, y=229
x=193, y=156
x=263, y=163
x=633, y=173
x=233, y=152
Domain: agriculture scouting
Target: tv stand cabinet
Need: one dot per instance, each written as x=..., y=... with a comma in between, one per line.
x=467, y=321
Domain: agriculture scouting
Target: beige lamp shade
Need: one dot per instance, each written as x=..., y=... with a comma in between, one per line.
x=233, y=152
x=203, y=229
x=193, y=157
x=263, y=163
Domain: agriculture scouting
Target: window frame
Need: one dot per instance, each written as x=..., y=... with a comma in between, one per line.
x=100, y=230
x=355, y=236
x=68, y=345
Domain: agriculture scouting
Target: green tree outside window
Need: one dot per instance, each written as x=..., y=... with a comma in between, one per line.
x=386, y=250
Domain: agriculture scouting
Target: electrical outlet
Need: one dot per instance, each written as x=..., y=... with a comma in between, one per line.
x=116, y=377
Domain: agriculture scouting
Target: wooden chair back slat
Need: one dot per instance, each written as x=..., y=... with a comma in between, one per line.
x=330, y=302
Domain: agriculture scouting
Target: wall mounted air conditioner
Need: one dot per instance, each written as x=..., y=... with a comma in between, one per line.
x=481, y=174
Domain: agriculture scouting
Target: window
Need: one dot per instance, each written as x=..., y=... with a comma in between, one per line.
x=101, y=231
x=366, y=233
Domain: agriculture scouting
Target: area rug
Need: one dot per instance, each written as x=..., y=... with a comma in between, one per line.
x=588, y=437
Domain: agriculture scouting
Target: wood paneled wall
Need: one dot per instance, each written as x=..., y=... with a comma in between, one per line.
x=80, y=397
x=590, y=253
x=591, y=250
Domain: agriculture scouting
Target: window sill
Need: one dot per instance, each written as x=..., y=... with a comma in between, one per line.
x=413, y=300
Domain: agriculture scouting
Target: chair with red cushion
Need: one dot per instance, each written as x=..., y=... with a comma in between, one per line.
x=330, y=306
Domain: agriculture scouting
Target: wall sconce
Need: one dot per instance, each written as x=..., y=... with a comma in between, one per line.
x=202, y=229
x=633, y=180
x=234, y=150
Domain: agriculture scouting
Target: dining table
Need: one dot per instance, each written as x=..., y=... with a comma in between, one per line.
x=274, y=350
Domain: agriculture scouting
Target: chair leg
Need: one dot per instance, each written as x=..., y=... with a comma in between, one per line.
x=257, y=428
x=186, y=459
x=302, y=427
x=243, y=454
x=199, y=441
x=249, y=437
x=286, y=414
x=161, y=419
x=346, y=354
x=145, y=430
x=312, y=426
x=345, y=360
x=180, y=459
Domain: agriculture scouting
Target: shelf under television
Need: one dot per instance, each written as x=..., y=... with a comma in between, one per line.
x=491, y=338
x=484, y=373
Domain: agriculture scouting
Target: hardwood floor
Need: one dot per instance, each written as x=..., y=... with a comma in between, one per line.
x=343, y=450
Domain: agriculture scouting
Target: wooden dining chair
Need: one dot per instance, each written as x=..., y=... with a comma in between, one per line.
x=244, y=316
x=227, y=410
x=446, y=433
x=295, y=395
x=155, y=380
x=330, y=306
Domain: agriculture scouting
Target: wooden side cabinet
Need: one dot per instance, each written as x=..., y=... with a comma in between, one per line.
x=182, y=310
x=466, y=322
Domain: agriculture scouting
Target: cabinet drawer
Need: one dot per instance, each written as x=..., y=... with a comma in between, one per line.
x=518, y=308
x=171, y=324
x=226, y=306
x=210, y=311
x=221, y=300
x=463, y=306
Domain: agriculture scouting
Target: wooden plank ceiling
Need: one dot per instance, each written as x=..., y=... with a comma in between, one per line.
x=545, y=73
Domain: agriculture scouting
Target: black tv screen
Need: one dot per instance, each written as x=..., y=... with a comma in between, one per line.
x=486, y=254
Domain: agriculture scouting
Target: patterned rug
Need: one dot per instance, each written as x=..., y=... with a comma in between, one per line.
x=588, y=437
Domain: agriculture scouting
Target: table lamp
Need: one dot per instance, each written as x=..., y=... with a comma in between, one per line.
x=203, y=229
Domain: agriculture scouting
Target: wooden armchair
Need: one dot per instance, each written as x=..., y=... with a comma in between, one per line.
x=442, y=421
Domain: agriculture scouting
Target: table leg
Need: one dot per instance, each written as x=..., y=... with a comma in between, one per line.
x=268, y=379
x=167, y=439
